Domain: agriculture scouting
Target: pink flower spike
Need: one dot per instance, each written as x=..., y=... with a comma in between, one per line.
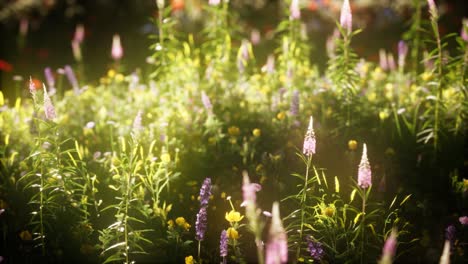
x=463, y=220
x=464, y=30
x=389, y=249
x=49, y=109
x=309, y=140
x=277, y=246
x=117, y=50
x=295, y=10
x=364, y=171
x=346, y=18
x=79, y=33
x=432, y=8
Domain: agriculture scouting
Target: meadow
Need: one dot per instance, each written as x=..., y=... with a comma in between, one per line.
x=207, y=155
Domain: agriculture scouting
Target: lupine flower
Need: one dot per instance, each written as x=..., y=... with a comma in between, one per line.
x=309, y=140
x=389, y=249
x=137, y=127
x=463, y=220
x=315, y=249
x=49, y=109
x=294, y=110
x=249, y=191
x=205, y=192
x=294, y=10
x=346, y=18
x=117, y=50
x=79, y=34
x=71, y=78
x=277, y=246
x=445, y=257
x=402, y=52
x=201, y=224
x=223, y=244
x=364, y=171
x=214, y=2
x=49, y=76
x=450, y=233
x=207, y=103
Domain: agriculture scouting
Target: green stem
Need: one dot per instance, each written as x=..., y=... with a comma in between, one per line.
x=199, y=250
x=416, y=37
x=363, y=223
x=439, y=83
x=41, y=212
x=303, y=202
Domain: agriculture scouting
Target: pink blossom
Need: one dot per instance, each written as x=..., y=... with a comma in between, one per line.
x=309, y=140
x=277, y=246
x=117, y=50
x=214, y=2
x=389, y=249
x=346, y=18
x=249, y=191
x=79, y=33
x=463, y=220
x=295, y=10
x=364, y=171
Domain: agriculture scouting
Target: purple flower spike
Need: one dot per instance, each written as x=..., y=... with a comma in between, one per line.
x=205, y=192
x=464, y=30
x=72, y=78
x=309, y=141
x=223, y=244
x=364, y=171
x=463, y=220
x=79, y=33
x=137, y=127
x=49, y=109
x=201, y=224
x=249, y=191
x=315, y=249
x=277, y=246
x=346, y=18
x=49, y=76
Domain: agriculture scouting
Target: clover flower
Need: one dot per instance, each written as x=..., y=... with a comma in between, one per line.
x=309, y=140
x=364, y=171
x=205, y=192
x=315, y=248
x=223, y=244
x=201, y=224
x=346, y=18
x=277, y=246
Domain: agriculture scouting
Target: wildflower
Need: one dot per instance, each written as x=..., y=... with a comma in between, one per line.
x=76, y=49
x=402, y=52
x=346, y=18
x=233, y=131
x=214, y=2
x=25, y=235
x=277, y=246
x=432, y=9
x=23, y=26
x=383, y=63
x=329, y=211
x=49, y=109
x=309, y=140
x=205, y=192
x=445, y=257
x=71, y=77
x=352, y=145
x=79, y=34
x=117, y=50
x=364, y=172
x=281, y=115
x=188, y=259
x=391, y=62
x=233, y=216
x=137, y=127
x=315, y=248
x=232, y=233
x=294, y=110
x=243, y=55
x=207, y=103
x=269, y=66
x=463, y=220
x=295, y=10
x=255, y=37
x=223, y=244
x=180, y=221
x=170, y=224
x=201, y=224
x=166, y=157
x=49, y=76
x=389, y=248
x=249, y=191
x=256, y=132
x=464, y=30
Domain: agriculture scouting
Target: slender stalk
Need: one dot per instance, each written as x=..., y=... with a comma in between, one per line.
x=258, y=242
x=41, y=212
x=199, y=250
x=416, y=37
x=303, y=201
x=125, y=220
x=435, y=28
x=363, y=223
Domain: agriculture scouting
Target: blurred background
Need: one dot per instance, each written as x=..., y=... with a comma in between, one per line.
x=35, y=34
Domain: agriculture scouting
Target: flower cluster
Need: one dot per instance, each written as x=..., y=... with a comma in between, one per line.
x=364, y=171
x=315, y=248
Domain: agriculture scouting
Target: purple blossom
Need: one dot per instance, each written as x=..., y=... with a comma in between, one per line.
x=463, y=220
x=243, y=55
x=450, y=233
x=72, y=78
x=309, y=140
x=346, y=18
x=49, y=76
x=295, y=10
x=223, y=244
x=249, y=191
x=364, y=171
x=255, y=37
x=206, y=102
x=315, y=248
x=205, y=192
x=432, y=8
x=117, y=50
x=277, y=246
x=49, y=109
x=201, y=224
x=294, y=109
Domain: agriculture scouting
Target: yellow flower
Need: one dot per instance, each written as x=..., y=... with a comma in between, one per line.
x=383, y=115
x=352, y=144
x=329, y=211
x=189, y=260
x=256, y=132
x=186, y=226
x=233, y=216
x=119, y=78
x=233, y=131
x=223, y=195
x=426, y=76
x=166, y=157
x=170, y=224
x=111, y=73
x=281, y=115
x=180, y=221
x=232, y=233
x=25, y=235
